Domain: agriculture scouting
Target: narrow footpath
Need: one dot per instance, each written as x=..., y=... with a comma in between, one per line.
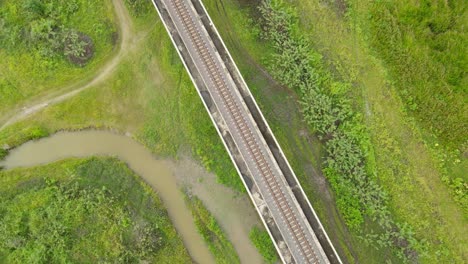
x=128, y=39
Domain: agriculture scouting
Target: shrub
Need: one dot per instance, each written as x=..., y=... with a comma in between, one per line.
x=327, y=111
x=36, y=132
x=139, y=7
x=42, y=28
x=78, y=47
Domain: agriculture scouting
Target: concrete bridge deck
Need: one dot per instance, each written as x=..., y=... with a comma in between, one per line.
x=223, y=92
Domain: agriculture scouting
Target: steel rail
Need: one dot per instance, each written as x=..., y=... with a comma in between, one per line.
x=201, y=46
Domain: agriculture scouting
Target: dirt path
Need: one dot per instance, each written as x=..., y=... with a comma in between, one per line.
x=127, y=41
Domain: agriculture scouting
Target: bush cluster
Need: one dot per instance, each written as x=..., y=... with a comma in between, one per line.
x=56, y=222
x=327, y=110
x=3, y=153
x=84, y=211
x=42, y=27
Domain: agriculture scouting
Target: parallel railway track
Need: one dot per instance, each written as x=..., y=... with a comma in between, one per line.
x=253, y=147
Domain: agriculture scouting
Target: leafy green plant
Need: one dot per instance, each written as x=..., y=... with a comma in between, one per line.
x=75, y=46
x=329, y=113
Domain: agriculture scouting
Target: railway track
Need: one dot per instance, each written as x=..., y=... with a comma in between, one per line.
x=216, y=74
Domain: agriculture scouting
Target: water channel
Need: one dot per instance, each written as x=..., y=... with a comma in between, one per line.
x=235, y=214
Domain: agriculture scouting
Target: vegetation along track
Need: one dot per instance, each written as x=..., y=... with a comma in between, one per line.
x=253, y=148
x=127, y=40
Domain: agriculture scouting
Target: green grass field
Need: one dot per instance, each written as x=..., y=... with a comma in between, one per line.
x=423, y=47
x=411, y=163
x=422, y=174
x=32, y=36
x=84, y=210
x=149, y=95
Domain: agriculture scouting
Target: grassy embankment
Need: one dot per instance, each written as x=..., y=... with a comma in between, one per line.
x=421, y=174
x=151, y=96
x=219, y=245
x=423, y=47
x=36, y=37
x=395, y=154
x=90, y=210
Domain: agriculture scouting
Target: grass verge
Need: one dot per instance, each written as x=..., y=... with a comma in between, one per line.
x=214, y=236
x=262, y=241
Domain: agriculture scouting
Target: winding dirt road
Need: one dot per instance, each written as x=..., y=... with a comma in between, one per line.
x=127, y=40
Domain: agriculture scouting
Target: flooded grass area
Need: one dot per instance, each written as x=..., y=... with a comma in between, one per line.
x=149, y=97
x=234, y=213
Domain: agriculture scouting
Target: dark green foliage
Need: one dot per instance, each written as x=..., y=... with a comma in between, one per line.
x=42, y=27
x=78, y=47
x=211, y=232
x=140, y=7
x=262, y=241
x=346, y=141
x=91, y=210
x=33, y=36
x=3, y=153
x=425, y=47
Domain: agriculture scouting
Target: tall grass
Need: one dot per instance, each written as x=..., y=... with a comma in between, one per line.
x=88, y=210
x=424, y=46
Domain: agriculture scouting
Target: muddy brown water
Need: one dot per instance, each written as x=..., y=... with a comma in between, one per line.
x=235, y=214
